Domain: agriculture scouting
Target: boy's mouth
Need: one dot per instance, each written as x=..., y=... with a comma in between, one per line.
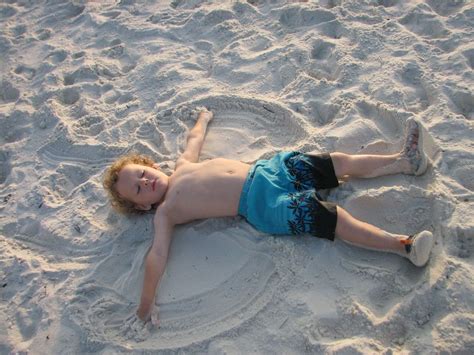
x=153, y=185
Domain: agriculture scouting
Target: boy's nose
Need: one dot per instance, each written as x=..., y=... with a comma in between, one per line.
x=144, y=182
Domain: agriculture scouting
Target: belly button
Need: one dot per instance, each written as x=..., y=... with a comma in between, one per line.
x=230, y=171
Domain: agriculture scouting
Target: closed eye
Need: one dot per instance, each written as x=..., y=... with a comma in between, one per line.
x=141, y=177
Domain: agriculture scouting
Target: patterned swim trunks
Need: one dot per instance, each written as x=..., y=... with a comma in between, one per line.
x=280, y=195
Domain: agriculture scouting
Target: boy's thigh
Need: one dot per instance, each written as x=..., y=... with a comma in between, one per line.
x=307, y=213
x=300, y=212
x=312, y=171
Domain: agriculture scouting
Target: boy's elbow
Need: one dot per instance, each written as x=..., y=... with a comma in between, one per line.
x=163, y=216
x=193, y=135
x=155, y=263
x=187, y=157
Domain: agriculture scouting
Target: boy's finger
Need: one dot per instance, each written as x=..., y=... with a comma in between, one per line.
x=154, y=316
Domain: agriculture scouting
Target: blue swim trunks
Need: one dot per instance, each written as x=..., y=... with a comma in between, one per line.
x=280, y=195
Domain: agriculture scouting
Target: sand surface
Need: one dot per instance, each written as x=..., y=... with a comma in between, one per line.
x=83, y=82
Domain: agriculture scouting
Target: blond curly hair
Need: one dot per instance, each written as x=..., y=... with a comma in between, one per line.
x=119, y=203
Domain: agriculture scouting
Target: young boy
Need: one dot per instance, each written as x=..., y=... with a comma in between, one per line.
x=278, y=196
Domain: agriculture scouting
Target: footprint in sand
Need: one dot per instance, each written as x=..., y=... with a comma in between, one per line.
x=418, y=94
x=57, y=56
x=322, y=49
x=174, y=18
x=5, y=167
x=25, y=320
x=333, y=29
x=43, y=34
x=68, y=96
x=5, y=44
x=446, y=7
x=25, y=71
x=61, y=14
x=83, y=74
x=460, y=167
x=79, y=55
x=114, y=52
x=462, y=101
x=7, y=11
x=28, y=320
x=469, y=54
x=329, y=4
x=387, y=3
x=121, y=97
x=19, y=30
x=321, y=112
x=421, y=21
x=324, y=63
x=215, y=17
x=459, y=241
x=89, y=125
x=65, y=178
x=14, y=127
x=293, y=17
x=8, y=93
x=117, y=50
x=111, y=14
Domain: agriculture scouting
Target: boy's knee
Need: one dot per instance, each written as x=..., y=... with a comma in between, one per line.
x=341, y=163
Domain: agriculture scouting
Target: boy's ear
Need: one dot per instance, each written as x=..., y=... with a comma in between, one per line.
x=156, y=166
x=143, y=207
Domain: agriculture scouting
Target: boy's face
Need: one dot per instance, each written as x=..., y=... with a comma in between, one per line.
x=142, y=185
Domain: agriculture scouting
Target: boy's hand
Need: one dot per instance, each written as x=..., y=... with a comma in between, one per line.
x=134, y=328
x=154, y=316
x=143, y=315
x=205, y=114
x=146, y=316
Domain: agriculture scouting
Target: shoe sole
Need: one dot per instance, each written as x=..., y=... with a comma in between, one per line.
x=424, y=159
x=422, y=246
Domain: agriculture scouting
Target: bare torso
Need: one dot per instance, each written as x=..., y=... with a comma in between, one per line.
x=207, y=189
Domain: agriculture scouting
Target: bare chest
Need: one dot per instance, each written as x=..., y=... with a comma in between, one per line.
x=206, y=190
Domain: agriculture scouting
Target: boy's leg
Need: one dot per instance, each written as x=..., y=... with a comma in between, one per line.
x=366, y=235
x=411, y=160
x=416, y=248
x=368, y=166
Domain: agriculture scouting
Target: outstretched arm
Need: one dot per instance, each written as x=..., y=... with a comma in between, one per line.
x=196, y=138
x=155, y=263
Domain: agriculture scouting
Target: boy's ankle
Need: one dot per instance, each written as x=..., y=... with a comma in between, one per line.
x=402, y=246
x=404, y=163
x=418, y=247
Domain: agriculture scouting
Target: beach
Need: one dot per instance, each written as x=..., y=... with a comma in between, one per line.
x=84, y=82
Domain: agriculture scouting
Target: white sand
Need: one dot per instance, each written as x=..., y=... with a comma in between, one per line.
x=83, y=82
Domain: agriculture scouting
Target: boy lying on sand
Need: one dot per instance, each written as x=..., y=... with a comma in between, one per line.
x=277, y=196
